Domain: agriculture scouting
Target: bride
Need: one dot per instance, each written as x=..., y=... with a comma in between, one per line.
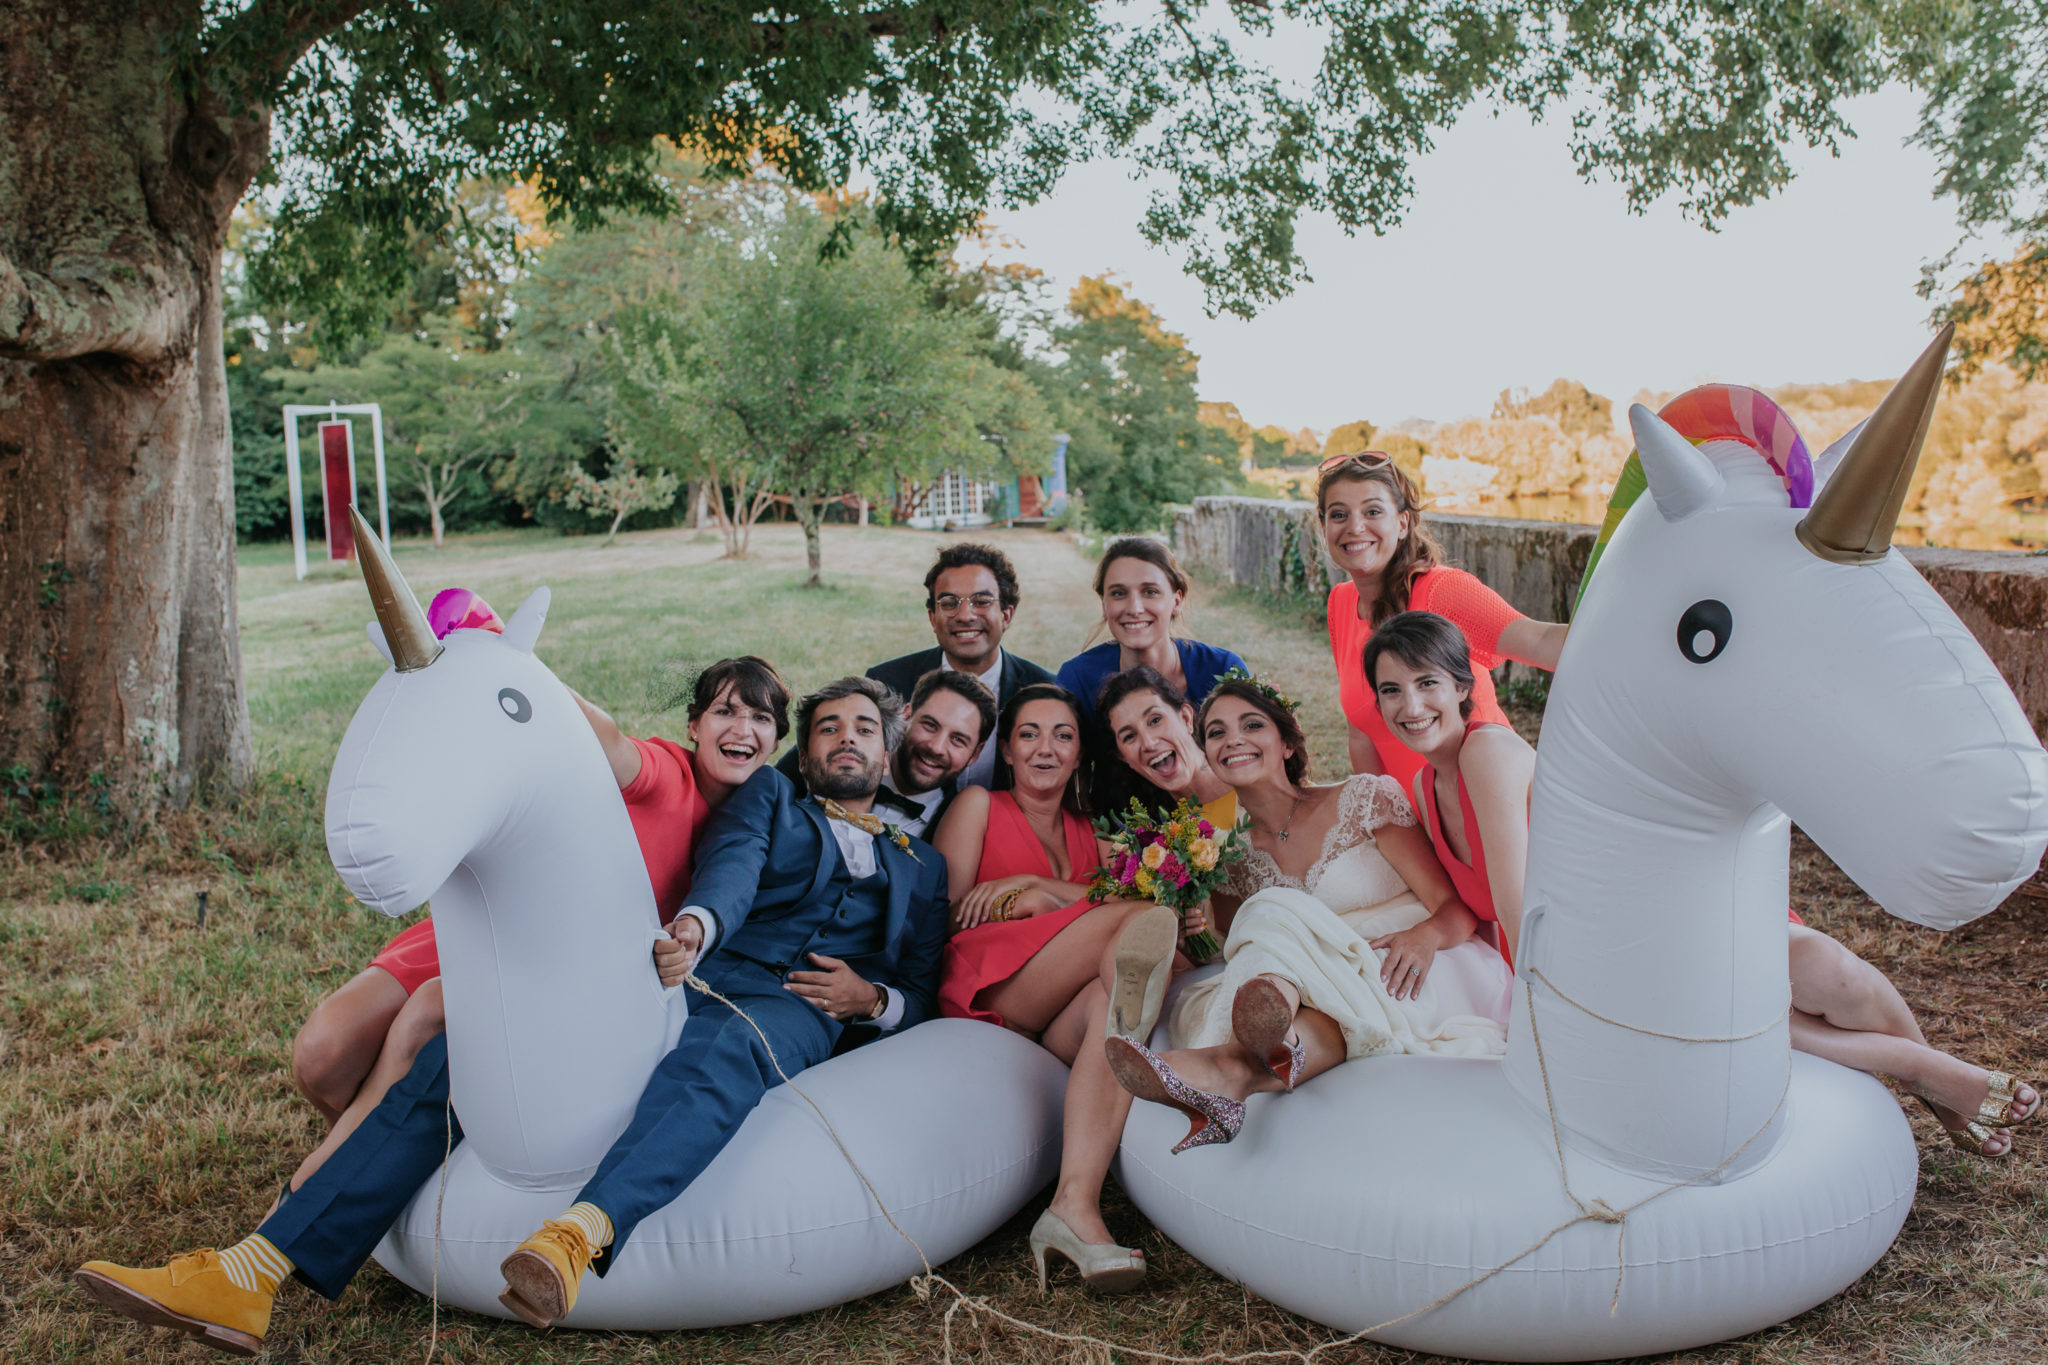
x=1350, y=941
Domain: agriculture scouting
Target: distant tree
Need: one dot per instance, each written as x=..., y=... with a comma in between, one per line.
x=1983, y=68
x=1577, y=410
x=620, y=493
x=1128, y=386
x=1352, y=438
x=829, y=374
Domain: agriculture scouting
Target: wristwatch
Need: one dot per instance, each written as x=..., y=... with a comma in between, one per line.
x=881, y=1001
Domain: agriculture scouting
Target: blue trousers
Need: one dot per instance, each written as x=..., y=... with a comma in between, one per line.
x=696, y=1100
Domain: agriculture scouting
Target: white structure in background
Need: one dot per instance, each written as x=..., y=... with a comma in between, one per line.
x=340, y=537
x=956, y=500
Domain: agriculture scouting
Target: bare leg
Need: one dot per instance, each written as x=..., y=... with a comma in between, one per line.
x=1082, y=952
x=342, y=1038
x=1847, y=1011
x=418, y=1022
x=1232, y=1069
x=1095, y=1113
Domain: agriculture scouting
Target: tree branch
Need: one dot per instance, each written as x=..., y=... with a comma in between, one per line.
x=271, y=35
x=133, y=307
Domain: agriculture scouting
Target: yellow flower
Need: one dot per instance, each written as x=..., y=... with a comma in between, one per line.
x=1154, y=855
x=1202, y=853
x=1144, y=882
x=1176, y=830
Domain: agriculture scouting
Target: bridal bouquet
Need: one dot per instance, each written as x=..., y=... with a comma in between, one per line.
x=1174, y=860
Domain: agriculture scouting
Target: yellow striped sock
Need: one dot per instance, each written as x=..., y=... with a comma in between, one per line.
x=595, y=1222
x=255, y=1265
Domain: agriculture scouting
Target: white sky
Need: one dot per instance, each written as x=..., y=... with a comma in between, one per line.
x=1510, y=271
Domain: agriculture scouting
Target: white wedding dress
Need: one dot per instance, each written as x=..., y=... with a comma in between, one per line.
x=1314, y=933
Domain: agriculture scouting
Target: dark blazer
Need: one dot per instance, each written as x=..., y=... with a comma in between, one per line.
x=765, y=859
x=900, y=675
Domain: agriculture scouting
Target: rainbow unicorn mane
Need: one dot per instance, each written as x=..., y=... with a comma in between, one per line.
x=1715, y=412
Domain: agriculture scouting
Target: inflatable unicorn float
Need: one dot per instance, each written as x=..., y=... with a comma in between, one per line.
x=1652, y=1167
x=469, y=779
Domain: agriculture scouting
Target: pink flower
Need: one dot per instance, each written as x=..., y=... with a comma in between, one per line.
x=1173, y=870
x=1206, y=829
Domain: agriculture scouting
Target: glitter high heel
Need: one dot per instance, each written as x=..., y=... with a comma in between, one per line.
x=1211, y=1118
x=1262, y=1020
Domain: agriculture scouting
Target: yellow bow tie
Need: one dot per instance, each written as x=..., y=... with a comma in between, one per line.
x=862, y=820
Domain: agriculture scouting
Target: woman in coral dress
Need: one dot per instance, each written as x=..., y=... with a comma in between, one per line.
x=1030, y=952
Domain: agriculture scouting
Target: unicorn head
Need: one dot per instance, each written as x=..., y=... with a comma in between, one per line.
x=470, y=777
x=1741, y=660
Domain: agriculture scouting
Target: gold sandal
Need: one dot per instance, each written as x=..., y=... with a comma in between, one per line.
x=1994, y=1115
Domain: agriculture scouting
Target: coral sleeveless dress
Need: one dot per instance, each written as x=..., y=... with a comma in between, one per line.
x=1457, y=596
x=1469, y=879
x=990, y=954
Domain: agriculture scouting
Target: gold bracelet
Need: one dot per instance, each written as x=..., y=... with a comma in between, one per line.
x=1005, y=903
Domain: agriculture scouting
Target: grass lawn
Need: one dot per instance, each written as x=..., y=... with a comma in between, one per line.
x=145, y=1106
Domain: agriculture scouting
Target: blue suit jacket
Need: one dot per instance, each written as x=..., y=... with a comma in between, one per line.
x=763, y=867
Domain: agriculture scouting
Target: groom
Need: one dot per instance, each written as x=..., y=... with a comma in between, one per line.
x=781, y=882
x=805, y=913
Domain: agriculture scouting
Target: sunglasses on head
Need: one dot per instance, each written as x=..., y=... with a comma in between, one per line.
x=1371, y=459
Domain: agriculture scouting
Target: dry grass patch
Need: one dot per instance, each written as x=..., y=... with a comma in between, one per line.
x=145, y=1106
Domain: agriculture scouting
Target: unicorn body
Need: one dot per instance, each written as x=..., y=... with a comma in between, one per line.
x=470, y=777
x=1651, y=1168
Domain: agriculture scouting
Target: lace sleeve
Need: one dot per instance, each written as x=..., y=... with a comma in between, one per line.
x=1371, y=800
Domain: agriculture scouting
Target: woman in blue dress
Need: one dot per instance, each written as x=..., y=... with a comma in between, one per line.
x=1142, y=592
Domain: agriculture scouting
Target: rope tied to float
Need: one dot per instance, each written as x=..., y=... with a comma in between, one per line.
x=929, y=1282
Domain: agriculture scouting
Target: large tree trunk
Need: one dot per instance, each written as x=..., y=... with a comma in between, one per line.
x=119, y=653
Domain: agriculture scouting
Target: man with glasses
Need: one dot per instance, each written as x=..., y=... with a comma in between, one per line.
x=970, y=597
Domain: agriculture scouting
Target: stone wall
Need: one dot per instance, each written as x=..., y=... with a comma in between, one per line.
x=1273, y=546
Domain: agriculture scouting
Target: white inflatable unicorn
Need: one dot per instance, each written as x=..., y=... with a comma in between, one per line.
x=1739, y=663
x=468, y=777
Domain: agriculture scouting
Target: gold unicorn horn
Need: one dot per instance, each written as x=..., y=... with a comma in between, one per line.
x=406, y=631
x=1852, y=520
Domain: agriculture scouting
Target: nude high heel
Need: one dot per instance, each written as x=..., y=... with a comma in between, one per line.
x=1104, y=1266
x=1144, y=964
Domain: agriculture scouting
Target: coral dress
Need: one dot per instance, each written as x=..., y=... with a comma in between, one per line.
x=1469, y=879
x=990, y=954
x=1457, y=596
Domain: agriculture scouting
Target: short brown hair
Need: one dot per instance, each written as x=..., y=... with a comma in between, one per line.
x=1256, y=697
x=963, y=685
x=754, y=682
x=968, y=555
x=886, y=702
x=1422, y=639
x=1418, y=550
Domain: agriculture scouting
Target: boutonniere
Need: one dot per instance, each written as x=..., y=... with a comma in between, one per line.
x=895, y=835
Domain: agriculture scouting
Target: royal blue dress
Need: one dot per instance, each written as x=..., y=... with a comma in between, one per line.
x=1084, y=674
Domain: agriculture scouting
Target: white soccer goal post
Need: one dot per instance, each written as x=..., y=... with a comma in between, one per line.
x=296, y=479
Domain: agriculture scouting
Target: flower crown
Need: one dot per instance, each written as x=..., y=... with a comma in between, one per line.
x=1264, y=688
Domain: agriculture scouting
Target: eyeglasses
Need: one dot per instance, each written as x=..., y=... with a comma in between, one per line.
x=1370, y=459
x=949, y=603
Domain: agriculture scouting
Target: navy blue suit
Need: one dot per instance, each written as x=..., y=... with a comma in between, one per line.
x=770, y=873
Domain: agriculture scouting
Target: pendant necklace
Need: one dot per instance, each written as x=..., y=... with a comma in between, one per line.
x=1291, y=812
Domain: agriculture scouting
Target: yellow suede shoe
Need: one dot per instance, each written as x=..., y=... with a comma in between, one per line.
x=541, y=1277
x=192, y=1294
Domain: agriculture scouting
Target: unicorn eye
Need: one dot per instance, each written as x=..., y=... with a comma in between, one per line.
x=513, y=703
x=1704, y=630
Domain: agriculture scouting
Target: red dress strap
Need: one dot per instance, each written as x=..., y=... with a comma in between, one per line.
x=1468, y=879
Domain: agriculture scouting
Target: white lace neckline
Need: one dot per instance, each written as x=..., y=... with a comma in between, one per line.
x=1356, y=807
